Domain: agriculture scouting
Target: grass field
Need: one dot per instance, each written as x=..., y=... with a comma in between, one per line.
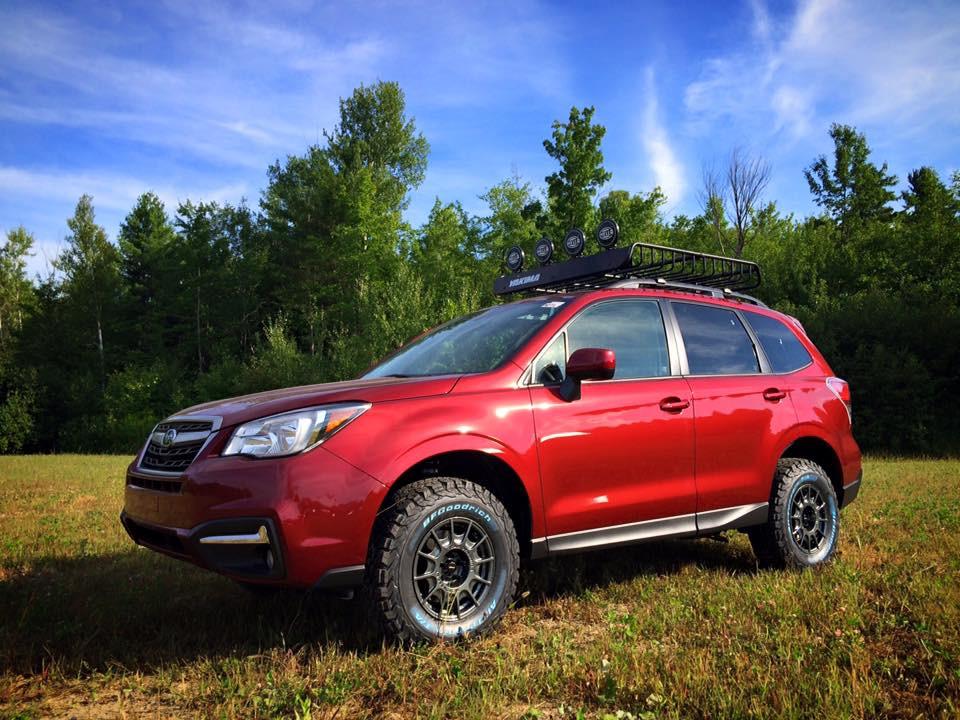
x=92, y=627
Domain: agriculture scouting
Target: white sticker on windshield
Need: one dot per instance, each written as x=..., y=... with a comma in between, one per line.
x=552, y=304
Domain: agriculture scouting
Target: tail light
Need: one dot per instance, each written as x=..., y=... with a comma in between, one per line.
x=841, y=389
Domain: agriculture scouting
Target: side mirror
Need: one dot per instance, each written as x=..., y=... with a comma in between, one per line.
x=587, y=364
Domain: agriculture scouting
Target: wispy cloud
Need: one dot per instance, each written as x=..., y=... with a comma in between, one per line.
x=667, y=170
x=853, y=60
x=110, y=191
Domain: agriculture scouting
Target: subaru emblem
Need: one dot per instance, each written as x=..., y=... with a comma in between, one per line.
x=169, y=437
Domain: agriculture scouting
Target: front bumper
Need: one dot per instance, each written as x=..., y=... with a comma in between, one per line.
x=246, y=548
x=299, y=521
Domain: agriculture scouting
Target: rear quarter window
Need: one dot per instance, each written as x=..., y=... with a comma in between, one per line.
x=784, y=351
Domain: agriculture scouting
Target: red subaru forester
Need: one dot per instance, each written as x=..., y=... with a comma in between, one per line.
x=630, y=397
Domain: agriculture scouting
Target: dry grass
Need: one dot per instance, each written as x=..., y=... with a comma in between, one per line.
x=91, y=627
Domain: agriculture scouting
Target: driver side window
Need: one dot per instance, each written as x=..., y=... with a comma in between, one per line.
x=633, y=329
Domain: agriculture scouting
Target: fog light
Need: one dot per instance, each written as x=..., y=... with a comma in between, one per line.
x=607, y=234
x=270, y=559
x=515, y=258
x=574, y=241
x=543, y=250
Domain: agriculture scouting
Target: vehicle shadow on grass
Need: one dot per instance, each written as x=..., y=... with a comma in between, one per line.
x=136, y=610
x=574, y=574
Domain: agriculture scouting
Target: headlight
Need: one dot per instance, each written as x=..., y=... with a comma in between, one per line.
x=293, y=432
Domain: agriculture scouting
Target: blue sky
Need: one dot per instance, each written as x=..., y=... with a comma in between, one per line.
x=195, y=99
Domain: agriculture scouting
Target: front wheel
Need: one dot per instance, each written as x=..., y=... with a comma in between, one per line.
x=444, y=561
x=804, y=520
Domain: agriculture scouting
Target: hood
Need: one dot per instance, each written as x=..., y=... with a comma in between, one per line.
x=250, y=407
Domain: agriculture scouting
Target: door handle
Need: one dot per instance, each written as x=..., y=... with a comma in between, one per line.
x=774, y=394
x=674, y=404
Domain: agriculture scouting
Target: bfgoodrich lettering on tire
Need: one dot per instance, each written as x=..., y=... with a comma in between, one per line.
x=443, y=561
x=804, y=518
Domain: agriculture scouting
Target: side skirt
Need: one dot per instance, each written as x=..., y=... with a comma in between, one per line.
x=679, y=526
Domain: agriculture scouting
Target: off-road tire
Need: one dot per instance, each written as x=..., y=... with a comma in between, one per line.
x=799, y=484
x=420, y=516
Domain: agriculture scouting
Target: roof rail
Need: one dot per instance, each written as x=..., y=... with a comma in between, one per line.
x=654, y=264
x=688, y=287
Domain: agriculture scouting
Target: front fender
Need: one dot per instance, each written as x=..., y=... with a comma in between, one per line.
x=391, y=438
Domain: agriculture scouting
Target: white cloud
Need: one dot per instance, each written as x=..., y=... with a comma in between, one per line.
x=835, y=60
x=667, y=170
x=109, y=191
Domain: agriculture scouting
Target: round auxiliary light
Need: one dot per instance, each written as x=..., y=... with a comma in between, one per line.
x=515, y=259
x=574, y=242
x=543, y=250
x=608, y=232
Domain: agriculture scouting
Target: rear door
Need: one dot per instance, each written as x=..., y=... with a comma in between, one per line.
x=741, y=411
x=622, y=453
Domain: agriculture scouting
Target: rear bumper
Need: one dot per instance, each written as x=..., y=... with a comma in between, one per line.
x=851, y=491
x=303, y=521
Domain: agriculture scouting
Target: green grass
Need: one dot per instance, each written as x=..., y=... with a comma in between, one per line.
x=90, y=626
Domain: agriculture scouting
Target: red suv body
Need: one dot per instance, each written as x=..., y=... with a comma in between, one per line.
x=679, y=417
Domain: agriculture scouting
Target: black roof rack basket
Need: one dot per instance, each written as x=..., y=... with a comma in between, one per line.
x=640, y=261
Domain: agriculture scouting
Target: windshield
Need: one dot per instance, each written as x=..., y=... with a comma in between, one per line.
x=471, y=344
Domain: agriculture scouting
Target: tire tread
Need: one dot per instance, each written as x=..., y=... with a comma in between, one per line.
x=390, y=530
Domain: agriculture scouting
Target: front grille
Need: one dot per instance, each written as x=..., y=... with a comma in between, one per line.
x=176, y=457
x=182, y=426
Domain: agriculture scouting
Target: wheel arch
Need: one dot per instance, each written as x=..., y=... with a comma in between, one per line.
x=489, y=471
x=820, y=451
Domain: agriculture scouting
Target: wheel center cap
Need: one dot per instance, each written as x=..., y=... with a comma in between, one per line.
x=454, y=567
x=809, y=518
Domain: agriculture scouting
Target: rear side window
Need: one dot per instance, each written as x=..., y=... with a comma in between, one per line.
x=784, y=351
x=633, y=329
x=715, y=340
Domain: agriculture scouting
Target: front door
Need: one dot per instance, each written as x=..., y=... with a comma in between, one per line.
x=617, y=463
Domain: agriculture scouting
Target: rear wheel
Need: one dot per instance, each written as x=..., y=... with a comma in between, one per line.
x=444, y=561
x=804, y=520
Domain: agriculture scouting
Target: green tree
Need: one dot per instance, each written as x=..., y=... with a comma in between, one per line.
x=203, y=257
x=444, y=256
x=571, y=189
x=931, y=245
x=375, y=136
x=15, y=289
x=90, y=267
x=854, y=191
x=145, y=238
x=638, y=215
x=334, y=216
x=512, y=219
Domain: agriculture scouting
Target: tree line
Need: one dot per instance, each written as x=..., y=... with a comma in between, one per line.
x=325, y=275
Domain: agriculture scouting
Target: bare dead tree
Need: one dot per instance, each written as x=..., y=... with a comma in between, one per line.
x=734, y=196
x=747, y=178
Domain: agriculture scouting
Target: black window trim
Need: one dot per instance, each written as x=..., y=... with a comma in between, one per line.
x=673, y=351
